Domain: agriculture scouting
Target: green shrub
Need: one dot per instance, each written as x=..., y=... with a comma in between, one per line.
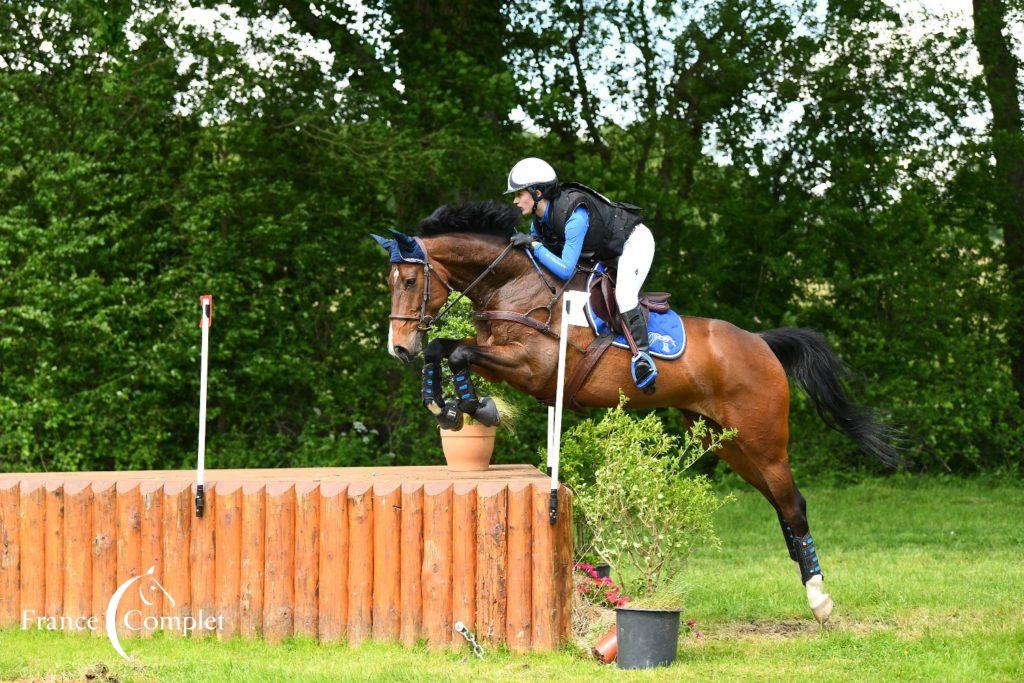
x=644, y=513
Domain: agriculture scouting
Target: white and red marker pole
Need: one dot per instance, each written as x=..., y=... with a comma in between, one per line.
x=206, y=302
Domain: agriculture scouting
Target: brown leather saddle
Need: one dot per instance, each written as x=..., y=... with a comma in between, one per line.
x=602, y=301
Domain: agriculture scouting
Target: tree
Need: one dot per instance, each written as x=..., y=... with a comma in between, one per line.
x=1002, y=88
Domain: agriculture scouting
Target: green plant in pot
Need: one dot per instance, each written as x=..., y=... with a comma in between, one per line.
x=645, y=515
x=470, y=446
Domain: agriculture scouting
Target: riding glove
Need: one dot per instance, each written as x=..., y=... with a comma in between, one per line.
x=521, y=239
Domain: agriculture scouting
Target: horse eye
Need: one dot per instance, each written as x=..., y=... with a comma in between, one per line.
x=410, y=282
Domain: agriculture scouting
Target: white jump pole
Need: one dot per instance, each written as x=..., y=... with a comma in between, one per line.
x=206, y=302
x=572, y=313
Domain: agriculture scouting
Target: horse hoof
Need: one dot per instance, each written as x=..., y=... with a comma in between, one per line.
x=451, y=417
x=823, y=611
x=487, y=412
x=818, y=600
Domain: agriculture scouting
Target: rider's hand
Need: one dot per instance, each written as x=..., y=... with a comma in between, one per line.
x=521, y=239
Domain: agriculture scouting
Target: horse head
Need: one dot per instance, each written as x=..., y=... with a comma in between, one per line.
x=416, y=294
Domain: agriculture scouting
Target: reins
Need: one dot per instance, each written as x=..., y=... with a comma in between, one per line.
x=425, y=322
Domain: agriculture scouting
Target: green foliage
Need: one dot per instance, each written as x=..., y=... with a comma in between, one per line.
x=646, y=514
x=799, y=165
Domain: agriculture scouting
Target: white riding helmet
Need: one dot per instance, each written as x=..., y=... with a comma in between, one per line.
x=530, y=172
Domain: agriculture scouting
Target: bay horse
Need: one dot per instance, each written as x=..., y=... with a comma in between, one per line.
x=731, y=377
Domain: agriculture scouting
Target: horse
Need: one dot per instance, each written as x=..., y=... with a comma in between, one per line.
x=729, y=376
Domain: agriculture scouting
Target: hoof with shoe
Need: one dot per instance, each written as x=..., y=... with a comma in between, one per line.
x=487, y=412
x=450, y=417
x=818, y=600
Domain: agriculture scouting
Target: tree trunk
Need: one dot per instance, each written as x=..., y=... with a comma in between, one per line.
x=1003, y=92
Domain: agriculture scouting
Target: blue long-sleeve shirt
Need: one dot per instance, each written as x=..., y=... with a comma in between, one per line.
x=576, y=227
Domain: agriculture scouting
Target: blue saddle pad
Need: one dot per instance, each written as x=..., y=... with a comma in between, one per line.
x=665, y=332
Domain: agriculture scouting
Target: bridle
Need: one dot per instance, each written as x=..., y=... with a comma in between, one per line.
x=424, y=321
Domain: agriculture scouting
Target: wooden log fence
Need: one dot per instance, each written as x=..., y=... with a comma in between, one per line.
x=392, y=554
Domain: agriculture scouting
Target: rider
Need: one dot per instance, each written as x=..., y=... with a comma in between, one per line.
x=570, y=219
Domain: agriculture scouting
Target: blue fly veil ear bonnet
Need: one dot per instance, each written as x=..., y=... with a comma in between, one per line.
x=402, y=249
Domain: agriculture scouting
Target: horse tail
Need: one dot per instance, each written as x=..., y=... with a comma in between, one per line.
x=817, y=370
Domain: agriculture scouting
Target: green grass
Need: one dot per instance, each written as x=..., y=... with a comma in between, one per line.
x=928, y=579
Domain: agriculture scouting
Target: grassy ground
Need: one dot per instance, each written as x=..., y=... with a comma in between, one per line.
x=928, y=579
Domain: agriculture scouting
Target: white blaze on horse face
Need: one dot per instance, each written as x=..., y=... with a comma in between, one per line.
x=391, y=323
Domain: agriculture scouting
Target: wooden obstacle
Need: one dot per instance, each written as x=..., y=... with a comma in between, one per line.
x=395, y=554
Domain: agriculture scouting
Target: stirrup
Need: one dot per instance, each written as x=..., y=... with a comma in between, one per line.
x=648, y=379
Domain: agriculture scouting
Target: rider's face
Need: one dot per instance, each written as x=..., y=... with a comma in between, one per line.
x=524, y=202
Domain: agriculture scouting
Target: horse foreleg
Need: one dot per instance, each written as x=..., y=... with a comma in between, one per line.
x=446, y=412
x=493, y=360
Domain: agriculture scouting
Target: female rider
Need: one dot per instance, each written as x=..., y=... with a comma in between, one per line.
x=570, y=220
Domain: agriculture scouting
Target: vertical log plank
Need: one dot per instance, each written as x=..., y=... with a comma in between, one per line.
x=129, y=558
x=437, y=564
x=178, y=510
x=203, y=559
x=519, y=611
x=412, y=562
x=545, y=600
x=463, y=559
x=387, y=560
x=151, y=498
x=279, y=598
x=77, y=556
x=333, y=596
x=565, y=586
x=10, y=553
x=307, y=557
x=228, y=557
x=253, y=560
x=360, y=562
x=491, y=561
x=32, y=537
x=54, y=549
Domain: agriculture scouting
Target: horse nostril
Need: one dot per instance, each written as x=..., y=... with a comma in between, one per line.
x=401, y=352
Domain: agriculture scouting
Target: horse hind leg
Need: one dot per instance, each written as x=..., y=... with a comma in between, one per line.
x=792, y=510
x=774, y=479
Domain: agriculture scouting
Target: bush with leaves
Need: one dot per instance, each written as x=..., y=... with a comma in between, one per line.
x=644, y=512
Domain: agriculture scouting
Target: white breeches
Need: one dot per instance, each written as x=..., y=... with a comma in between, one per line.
x=634, y=264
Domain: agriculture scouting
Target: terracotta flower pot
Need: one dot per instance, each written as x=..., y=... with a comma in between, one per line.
x=607, y=648
x=469, y=449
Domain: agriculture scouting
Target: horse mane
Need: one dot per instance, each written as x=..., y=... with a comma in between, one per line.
x=481, y=218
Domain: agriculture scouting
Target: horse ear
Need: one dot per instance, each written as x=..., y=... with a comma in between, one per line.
x=384, y=243
x=404, y=241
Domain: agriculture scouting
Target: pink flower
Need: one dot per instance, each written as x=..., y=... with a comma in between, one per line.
x=699, y=634
x=691, y=623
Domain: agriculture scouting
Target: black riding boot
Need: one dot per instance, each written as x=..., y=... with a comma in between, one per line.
x=642, y=365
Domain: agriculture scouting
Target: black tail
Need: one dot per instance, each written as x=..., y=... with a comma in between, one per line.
x=817, y=370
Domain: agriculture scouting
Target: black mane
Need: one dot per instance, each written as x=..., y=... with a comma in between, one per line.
x=482, y=218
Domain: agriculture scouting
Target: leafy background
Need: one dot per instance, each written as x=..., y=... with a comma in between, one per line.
x=833, y=165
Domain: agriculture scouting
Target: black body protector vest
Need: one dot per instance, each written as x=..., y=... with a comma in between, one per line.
x=611, y=223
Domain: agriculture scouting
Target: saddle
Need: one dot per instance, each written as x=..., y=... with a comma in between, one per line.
x=602, y=301
x=603, y=304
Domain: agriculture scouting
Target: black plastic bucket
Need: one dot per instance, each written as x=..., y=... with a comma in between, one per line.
x=603, y=570
x=647, y=637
